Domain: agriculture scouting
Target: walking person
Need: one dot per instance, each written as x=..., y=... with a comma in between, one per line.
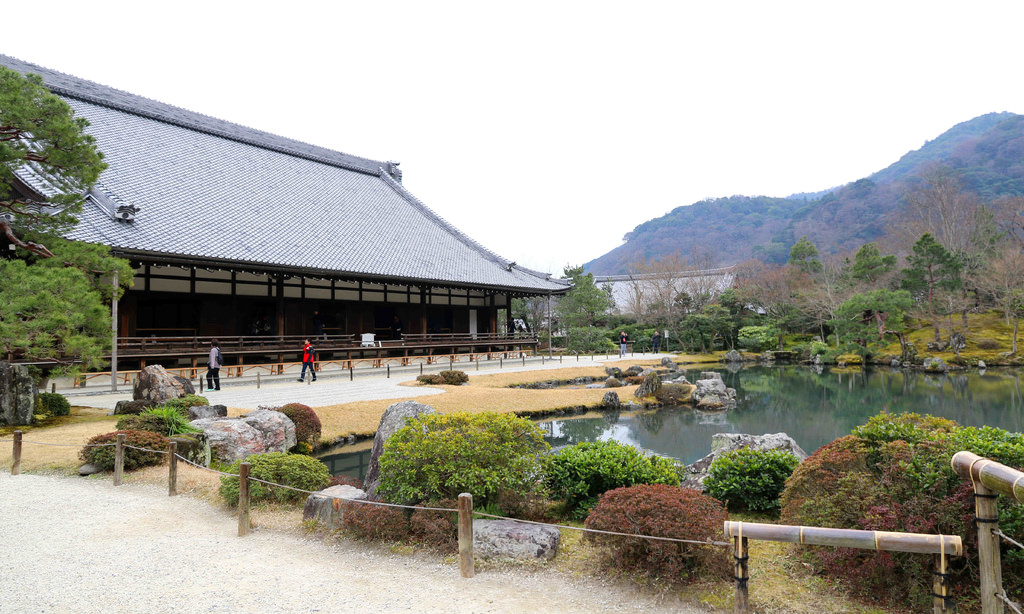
x=308, y=358
x=213, y=367
x=656, y=341
x=623, y=341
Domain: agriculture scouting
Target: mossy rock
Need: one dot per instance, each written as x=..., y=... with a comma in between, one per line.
x=674, y=394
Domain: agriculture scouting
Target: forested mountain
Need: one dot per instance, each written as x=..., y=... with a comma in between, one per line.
x=986, y=152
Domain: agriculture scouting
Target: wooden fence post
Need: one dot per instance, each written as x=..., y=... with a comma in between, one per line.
x=119, y=459
x=258, y=381
x=243, y=500
x=16, y=464
x=172, y=472
x=940, y=584
x=986, y=512
x=740, y=572
x=466, y=535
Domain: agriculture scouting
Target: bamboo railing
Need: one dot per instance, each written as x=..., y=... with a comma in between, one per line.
x=943, y=546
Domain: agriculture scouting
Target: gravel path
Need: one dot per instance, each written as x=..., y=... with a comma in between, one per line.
x=80, y=545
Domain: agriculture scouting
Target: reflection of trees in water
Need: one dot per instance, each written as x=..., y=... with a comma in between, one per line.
x=815, y=409
x=611, y=417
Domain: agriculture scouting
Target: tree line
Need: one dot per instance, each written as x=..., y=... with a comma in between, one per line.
x=947, y=253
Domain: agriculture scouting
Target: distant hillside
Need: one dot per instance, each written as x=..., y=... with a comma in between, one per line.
x=987, y=151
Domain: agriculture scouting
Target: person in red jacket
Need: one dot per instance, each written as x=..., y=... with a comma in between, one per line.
x=308, y=358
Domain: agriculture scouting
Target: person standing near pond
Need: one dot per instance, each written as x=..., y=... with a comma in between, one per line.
x=308, y=358
x=213, y=371
x=623, y=341
x=656, y=341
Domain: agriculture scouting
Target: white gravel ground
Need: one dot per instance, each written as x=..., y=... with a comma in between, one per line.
x=81, y=545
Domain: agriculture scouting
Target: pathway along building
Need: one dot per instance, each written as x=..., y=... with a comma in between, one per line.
x=243, y=235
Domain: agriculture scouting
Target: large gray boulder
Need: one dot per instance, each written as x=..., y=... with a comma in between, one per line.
x=711, y=394
x=611, y=401
x=257, y=432
x=394, y=418
x=728, y=442
x=199, y=412
x=17, y=395
x=157, y=385
x=649, y=387
x=125, y=408
x=194, y=447
x=276, y=429
x=325, y=507
x=733, y=356
x=508, y=539
x=669, y=364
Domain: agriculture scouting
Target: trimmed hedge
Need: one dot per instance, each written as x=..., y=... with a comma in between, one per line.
x=133, y=458
x=660, y=510
x=307, y=423
x=579, y=474
x=294, y=470
x=438, y=456
x=748, y=479
x=54, y=404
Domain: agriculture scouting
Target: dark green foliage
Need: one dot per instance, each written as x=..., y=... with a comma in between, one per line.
x=748, y=479
x=307, y=423
x=294, y=470
x=54, y=404
x=430, y=378
x=661, y=511
x=580, y=473
x=453, y=378
x=189, y=400
x=438, y=456
x=894, y=474
x=141, y=422
x=133, y=458
x=757, y=338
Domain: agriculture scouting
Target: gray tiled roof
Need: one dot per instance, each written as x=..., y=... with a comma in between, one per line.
x=212, y=190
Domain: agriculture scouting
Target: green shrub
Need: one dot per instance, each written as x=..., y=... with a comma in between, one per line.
x=430, y=378
x=661, y=511
x=294, y=470
x=894, y=474
x=586, y=340
x=54, y=404
x=579, y=474
x=817, y=348
x=307, y=423
x=454, y=378
x=171, y=421
x=748, y=479
x=133, y=458
x=438, y=456
x=141, y=422
x=183, y=403
x=757, y=338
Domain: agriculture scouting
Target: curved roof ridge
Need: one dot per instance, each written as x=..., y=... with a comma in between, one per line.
x=104, y=95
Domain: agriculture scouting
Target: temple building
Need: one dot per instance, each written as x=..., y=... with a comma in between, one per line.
x=241, y=234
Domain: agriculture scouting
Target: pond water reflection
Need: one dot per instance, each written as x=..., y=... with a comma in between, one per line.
x=812, y=408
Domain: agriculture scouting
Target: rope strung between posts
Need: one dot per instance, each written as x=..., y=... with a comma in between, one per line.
x=1010, y=604
x=128, y=445
x=62, y=445
x=586, y=530
x=1008, y=538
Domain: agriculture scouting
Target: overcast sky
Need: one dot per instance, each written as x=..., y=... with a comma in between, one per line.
x=547, y=130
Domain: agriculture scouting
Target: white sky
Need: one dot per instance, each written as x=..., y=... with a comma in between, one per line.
x=547, y=130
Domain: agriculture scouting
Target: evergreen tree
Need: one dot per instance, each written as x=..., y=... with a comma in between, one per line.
x=804, y=256
x=932, y=269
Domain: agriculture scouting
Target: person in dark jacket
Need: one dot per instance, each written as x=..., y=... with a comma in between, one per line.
x=214, y=364
x=308, y=358
x=623, y=343
x=656, y=341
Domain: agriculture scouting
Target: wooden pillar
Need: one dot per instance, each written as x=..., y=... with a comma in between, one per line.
x=940, y=584
x=119, y=459
x=16, y=463
x=243, y=500
x=466, y=535
x=172, y=472
x=986, y=511
x=740, y=573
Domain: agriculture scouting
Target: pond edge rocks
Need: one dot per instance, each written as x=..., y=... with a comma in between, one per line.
x=722, y=443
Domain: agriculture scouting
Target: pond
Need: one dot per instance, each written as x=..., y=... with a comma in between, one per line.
x=812, y=408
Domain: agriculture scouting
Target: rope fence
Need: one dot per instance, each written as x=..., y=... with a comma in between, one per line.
x=942, y=546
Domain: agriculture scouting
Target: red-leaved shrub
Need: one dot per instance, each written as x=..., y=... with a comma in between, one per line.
x=660, y=510
x=379, y=522
x=438, y=530
x=346, y=480
x=307, y=424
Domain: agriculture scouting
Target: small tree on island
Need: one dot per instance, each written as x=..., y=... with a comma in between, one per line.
x=53, y=292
